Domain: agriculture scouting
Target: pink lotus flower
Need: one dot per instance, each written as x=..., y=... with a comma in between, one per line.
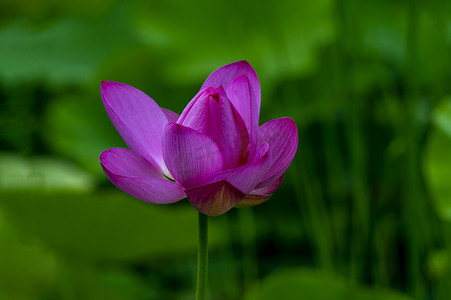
x=214, y=153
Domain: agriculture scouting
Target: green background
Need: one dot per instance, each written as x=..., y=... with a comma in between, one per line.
x=365, y=208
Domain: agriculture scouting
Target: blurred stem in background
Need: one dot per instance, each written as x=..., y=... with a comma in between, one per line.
x=414, y=201
x=249, y=247
x=228, y=258
x=354, y=124
x=318, y=218
x=202, y=258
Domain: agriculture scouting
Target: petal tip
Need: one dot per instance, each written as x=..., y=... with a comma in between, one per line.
x=242, y=62
x=104, y=154
x=290, y=121
x=106, y=84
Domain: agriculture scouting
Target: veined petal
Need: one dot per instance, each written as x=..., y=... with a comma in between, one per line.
x=233, y=138
x=137, y=118
x=137, y=177
x=228, y=130
x=212, y=114
x=214, y=199
x=246, y=178
x=226, y=74
x=242, y=97
x=170, y=115
x=190, y=156
x=282, y=136
x=195, y=114
x=125, y=162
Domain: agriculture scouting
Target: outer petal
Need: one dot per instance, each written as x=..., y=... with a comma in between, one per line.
x=138, y=178
x=170, y=115
x=125, y=162
x=252, y=200
x=226, y=74
x=245, y=178
x=282, y=136
x=242, y=96
x=269, y=188
x=137, y=118
x=190, y=156
x=214, y=198
x=260, y=195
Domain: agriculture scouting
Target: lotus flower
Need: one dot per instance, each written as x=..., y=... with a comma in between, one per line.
x=214, y=153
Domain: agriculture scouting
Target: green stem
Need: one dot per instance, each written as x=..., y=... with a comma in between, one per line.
x=202, y=258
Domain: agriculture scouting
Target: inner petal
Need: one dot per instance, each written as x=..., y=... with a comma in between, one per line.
x=228, y=130
x=212, y=114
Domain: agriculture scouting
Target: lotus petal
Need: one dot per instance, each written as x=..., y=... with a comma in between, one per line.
x=246, y=178
x=170, y=115
x=212, y=114
x=226, y=74
x=260, y=195
x=137, y=118
x=282, y=136
x=190, y=156
x=242, y=97
x=137, y=177
x=214, y=199
x=252, y=200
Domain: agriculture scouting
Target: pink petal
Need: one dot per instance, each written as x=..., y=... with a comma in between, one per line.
x=226, y=74
x=137, y=177
x=170, y=115
x=246, y=178
x=233, y=138
x=137, y=118
x=195, y=114
x=282, y=136
x=215, y=198
x=190, y=156
x=212, y=114
x=125, y=162
x=242, y=97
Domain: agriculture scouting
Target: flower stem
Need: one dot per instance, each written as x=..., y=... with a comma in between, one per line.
x=202, y=258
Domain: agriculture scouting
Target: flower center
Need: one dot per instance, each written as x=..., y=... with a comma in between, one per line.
x=215, y=96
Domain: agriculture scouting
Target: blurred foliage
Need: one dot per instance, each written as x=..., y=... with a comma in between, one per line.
x=303, y=283
x=437, y=155
x=365, y=209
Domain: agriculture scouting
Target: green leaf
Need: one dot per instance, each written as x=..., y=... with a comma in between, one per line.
x=66, y=52
x=280, y=40
x=106, y=226
x=294, y=284
x=27, y=269
x=88, y=281
x=18, y=173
